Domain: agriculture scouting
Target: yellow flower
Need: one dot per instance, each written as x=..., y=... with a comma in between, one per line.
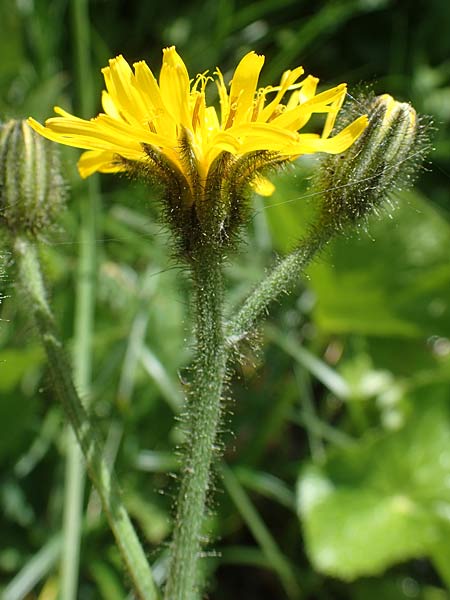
x=166, y=116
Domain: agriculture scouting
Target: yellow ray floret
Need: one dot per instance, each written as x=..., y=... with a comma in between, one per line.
x=140, y=111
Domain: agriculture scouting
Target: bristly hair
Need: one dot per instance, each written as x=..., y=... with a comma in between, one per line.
x=387, y=158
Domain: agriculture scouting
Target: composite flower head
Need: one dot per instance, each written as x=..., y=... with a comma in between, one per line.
x=204, y=159
x=140, y=112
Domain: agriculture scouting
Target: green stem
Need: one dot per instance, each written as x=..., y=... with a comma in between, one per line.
x=203, y=413
x=88, y=437
x=84, y=314
x=202, y=421
x=74, y=480
x=283, y=278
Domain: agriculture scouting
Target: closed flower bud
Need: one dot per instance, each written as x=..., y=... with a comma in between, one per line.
x=385, y=159
x=32, y=190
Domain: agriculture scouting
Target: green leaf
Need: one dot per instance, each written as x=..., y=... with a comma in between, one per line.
x=380, y=501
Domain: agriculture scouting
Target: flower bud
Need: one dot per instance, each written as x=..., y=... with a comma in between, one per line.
x=32, y=190
x=384, y=159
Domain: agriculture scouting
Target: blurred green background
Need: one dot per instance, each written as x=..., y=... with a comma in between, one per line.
x=337, y=432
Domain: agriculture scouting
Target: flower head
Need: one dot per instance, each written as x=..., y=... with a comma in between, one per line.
x=32, y=190
x=204, y=160
x=386, y=158
x=172, y=113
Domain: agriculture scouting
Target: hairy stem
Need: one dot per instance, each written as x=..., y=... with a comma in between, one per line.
x=203, y=413
x=282, y=280
x=202, y=419
x=87, y=435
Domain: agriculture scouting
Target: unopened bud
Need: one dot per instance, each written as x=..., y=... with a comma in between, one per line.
x=32, y=190
x=384, y=159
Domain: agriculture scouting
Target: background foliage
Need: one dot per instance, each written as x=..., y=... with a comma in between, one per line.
x=338, y=476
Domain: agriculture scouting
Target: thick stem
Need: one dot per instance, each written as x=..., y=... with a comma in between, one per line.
x=283, y=278
x=202, y=419
x=87, y=435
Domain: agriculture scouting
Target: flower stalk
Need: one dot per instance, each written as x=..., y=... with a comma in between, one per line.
x=283, y=278
x=88, y=437
x=202, y=419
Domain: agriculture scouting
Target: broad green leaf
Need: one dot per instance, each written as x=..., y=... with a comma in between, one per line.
x=380, y=501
